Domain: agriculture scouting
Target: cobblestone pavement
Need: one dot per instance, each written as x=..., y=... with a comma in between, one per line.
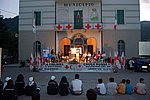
x=89, y=81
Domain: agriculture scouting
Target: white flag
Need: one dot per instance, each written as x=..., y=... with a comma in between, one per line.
x=33, y=25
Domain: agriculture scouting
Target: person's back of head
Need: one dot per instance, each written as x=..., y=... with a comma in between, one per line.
x=128, y=81
x=63, y=79
x=10, y=83
x=91, y=94
x=123, y=81
x=100, y=81
x=111, y=79
x=20, y=77
x=141, y=80
x=76, y=76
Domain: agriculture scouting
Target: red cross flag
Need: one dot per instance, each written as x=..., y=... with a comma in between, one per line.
x=59, y=27
x=97, y=26
x=38, y=59
x=68, y=26
x=115, y=24
x=31, y=59
x=116, y=56
x=123, y=59
x=88, y=26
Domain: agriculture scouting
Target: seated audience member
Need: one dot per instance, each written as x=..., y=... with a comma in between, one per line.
x=36, y=94
x=141, y=87
x=6, y=80
x=20, y=84
x=91, y=94
x=122, y=87
x=9, y=92
x=63, y=86
x=111, y=87
x=1, y=89
x=101, y=87
x=31, y=87
x=52, y=88
x=76, y=86
x=129, y=87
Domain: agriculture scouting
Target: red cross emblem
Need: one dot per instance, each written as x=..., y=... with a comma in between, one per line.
x=98, y=26
x=66, y=67
x=88, y=26
x=68, y=26
x=59, y=27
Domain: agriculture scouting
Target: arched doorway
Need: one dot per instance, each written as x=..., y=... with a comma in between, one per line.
x=65, y=46
x=91, y=45
x=79, y=41
x=37, y=48
x=121, y=47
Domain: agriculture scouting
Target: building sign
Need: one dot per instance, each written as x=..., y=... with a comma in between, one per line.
x=46, y=52
x=77, y=4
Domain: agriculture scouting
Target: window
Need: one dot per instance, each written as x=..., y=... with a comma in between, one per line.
x=37, y=48
x=121, y=47
x=78, y=19
x=37, y=16
x=120, y=16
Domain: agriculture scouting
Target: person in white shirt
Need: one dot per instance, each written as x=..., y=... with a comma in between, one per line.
x=131, y=62
x=101, y=87
x=111, y=87
x=76, y=86
x=141, y=87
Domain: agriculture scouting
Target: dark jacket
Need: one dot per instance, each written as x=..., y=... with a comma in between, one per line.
x=29, y=89
x=52, y=88
x=9, y=93
x=64, y=88
x=36, y=95
x=20, y=87
x=1, y=89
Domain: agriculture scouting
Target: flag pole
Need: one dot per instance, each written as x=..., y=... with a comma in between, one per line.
x=101, y=30
x=55, y=28
x=34, y=32
x=115, y=28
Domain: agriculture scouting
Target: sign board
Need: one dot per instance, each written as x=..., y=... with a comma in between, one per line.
x=76, y=68
x=144, y=48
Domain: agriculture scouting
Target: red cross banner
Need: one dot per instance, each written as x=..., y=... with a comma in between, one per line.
x=59, y=27
x=88, y=26
x=68, y=26
x=123, y=59
x=97, y=26
x=115, y=24
x=31, y=59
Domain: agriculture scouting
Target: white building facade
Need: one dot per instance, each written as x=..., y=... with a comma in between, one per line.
x=85, y=24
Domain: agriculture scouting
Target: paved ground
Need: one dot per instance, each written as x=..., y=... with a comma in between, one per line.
x=89, y=81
